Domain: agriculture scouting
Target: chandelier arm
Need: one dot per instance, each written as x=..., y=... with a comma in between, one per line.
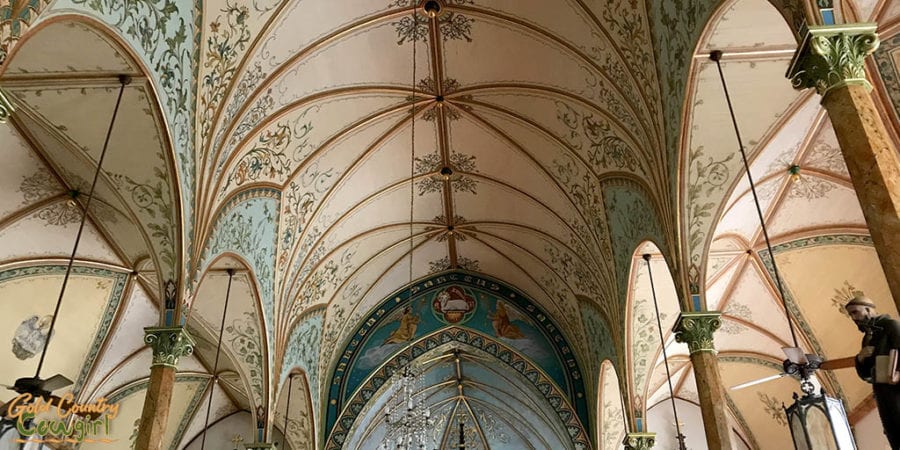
x=124, y=80
x=716, y=56
x=215, y=377
x=662, y=343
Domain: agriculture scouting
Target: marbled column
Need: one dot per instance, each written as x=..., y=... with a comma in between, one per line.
x=832, y=60
x=639, y=441
x=696, y=330
x=168, y=344
x=6, y=107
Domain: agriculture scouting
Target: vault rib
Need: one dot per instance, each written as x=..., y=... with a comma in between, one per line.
x=349, y=318
x=394, y=129
x=285, y=65
x=209, y=198
x=496, y=15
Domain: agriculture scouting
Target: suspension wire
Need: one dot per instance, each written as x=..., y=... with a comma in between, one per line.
x=215, y=377
x=662, y=343
x=412, y=159
x=287, y=407
x=716, y=55
x=124, y=80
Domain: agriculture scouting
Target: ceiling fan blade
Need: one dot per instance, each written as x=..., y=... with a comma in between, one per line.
x=795, y=355
x=839, y=363
x=755, y=382
x=56, y=382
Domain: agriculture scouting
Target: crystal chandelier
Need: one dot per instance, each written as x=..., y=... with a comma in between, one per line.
x=406, y=417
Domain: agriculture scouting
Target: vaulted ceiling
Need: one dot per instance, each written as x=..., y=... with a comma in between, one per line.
x=331, y=152
x=818, y=234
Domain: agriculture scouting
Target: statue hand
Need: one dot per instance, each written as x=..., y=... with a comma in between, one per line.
x=865, y=353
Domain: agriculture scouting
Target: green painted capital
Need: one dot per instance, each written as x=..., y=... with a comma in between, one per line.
x=169, y=344
x=639, y=441
x=832, y=56
x=6, y=107
x=259, y=446
x=696, y=330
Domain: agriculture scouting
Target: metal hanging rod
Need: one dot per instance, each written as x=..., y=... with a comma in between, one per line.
x=215, y=377
x=716, y=56
x=124, y=80
x=662, y=343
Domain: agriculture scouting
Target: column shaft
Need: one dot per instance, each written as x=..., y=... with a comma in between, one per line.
x=831, y=59
x=712, y=400
x=169, y=344
x=155, y=414
x=875, y=170
x=696, y=329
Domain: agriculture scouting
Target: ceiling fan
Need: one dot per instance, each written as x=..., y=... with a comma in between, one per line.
x=36, y=386
x=801, y=365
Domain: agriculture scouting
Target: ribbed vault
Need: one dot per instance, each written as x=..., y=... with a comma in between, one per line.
x=318, y=100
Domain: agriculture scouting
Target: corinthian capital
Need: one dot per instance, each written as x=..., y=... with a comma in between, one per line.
x=639, y=441
x=833, y=56
x=169, y=344
x=259, y=446
x=696, y=330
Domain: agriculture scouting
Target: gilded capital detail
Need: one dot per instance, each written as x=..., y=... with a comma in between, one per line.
x=6, y=107
x=169, y=344
x=259, y=446
x=639, y=441
x=832, y=56
x=696, y=330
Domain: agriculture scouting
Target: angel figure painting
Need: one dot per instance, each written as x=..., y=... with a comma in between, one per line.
x=409, y=321
x=502, y=323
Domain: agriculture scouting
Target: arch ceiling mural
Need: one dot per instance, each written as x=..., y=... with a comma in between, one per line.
x=482, y=314
x=276, y=138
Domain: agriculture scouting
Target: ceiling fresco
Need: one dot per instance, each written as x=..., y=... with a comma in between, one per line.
x=499, y=408
x=332, y=152
x=485, y=314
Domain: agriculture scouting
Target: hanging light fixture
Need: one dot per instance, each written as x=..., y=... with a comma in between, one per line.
x=215, y=374
x=35, y=386
x=678, y=436
x=405, y=415
x=287, y=408
x=407, y=419
x=817, y=421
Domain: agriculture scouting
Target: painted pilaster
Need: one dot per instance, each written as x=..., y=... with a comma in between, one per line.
x=831, y=59
x=639, y=441
x=696, y=330
x=168, y=344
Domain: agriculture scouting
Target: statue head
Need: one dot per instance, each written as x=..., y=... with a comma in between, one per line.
x=860, y=308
